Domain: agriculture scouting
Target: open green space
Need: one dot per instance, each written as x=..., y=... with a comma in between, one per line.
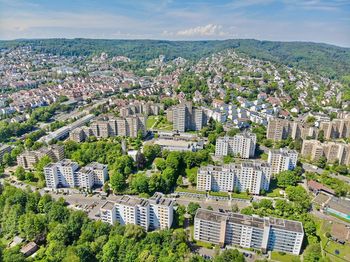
x=151, y=120
x=219, y=194
x=283, y=257
x=330, y=246
x=188, y=190
x=242, y=195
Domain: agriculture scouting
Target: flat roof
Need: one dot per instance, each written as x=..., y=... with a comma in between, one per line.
x=108, y=205
x=213, y=216
x=257, y=222
x=132, y=201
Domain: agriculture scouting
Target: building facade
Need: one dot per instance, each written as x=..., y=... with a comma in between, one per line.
x=252, y=176
x=332, y=151
x=279, y=129
x=241, y=145
x=282, y=159
x=67, y=173
x=185, y=117
x=248, y=232
x=28, y=159
x=129, y=126
x=151, y=214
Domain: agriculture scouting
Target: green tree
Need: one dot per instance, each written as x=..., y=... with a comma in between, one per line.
x=287, y=178
x=20, y=173
x=232, y=255
x=118, y=182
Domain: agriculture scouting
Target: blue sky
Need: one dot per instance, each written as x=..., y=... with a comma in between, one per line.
x=284, y=20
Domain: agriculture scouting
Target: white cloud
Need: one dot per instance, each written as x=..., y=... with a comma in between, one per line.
x=207, y=30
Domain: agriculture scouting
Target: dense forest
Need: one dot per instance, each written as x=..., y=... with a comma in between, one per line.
x=326, y=60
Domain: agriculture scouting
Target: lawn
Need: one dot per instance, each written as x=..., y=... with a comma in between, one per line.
x=277, y=256
x=240, y=195
x=204, y=244
x=219, y=194
x=151, y=120
x=274, y=193
x=330, y=246
x=186, y=190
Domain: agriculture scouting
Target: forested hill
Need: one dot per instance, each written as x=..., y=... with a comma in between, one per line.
x=327, y=60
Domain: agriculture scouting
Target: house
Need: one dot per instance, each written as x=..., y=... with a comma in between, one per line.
x=15, y=241
x=29, y=249
x=316, y=188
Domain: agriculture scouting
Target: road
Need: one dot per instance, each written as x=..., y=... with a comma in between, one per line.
x=311, y=168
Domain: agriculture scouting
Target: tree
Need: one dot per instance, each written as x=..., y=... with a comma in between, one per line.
x=320, y=136
x=139, y=183
x=230, y=255
x=140, y=161
x=313, y=253
x=192, y=208
x=118, y=182
x=160, y=164
x=20, y=173
x=151, y=152
x=287, y=178
x=32, y=226
x=322, y=161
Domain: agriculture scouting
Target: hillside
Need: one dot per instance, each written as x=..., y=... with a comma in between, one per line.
x=325, y=60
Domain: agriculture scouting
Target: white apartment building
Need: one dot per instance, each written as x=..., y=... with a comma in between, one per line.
x=248, y=231
x=61, y=174
x=66, y=173
x=253, y=176
x=282, y=159
x=151, y=214
x=242, y=145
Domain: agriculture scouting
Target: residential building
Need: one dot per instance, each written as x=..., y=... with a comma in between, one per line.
x=332, y=151
x=282, y=159
x=66, y=173
x=151, y=214
x=28, y=159
x=337, y=128
x=129, y=126
x=3, y=150
x=252, y=176
x=241, y=145
x=266, y=233
x=185, y=117
x=141, y=107
x=279, y=129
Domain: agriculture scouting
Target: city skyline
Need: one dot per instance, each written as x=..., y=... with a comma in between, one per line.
x=312, y=20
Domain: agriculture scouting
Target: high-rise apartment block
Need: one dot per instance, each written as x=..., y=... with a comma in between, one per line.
x=66, y=173
x=337, y=128
x=141, y=107
x=279, y=129
x=28, y=159
x=267, y=233
x=332, y=151
x=109, y=126
x=153, y=213
x=282, y=159
x=185, y=117
x=241, y=145
x=253, y=176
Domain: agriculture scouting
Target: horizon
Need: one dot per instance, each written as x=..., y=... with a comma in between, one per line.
x=317, y=21
x=173, y=40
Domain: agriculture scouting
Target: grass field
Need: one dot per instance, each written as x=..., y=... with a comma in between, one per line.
x=330, y=246
x=276, y=256
x=186, y=190
x=240, y=195
x=151, y=120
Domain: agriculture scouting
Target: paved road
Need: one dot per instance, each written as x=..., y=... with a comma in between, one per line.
x=311, y=168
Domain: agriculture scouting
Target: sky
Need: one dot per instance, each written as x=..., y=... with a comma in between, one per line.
x=326, y=21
